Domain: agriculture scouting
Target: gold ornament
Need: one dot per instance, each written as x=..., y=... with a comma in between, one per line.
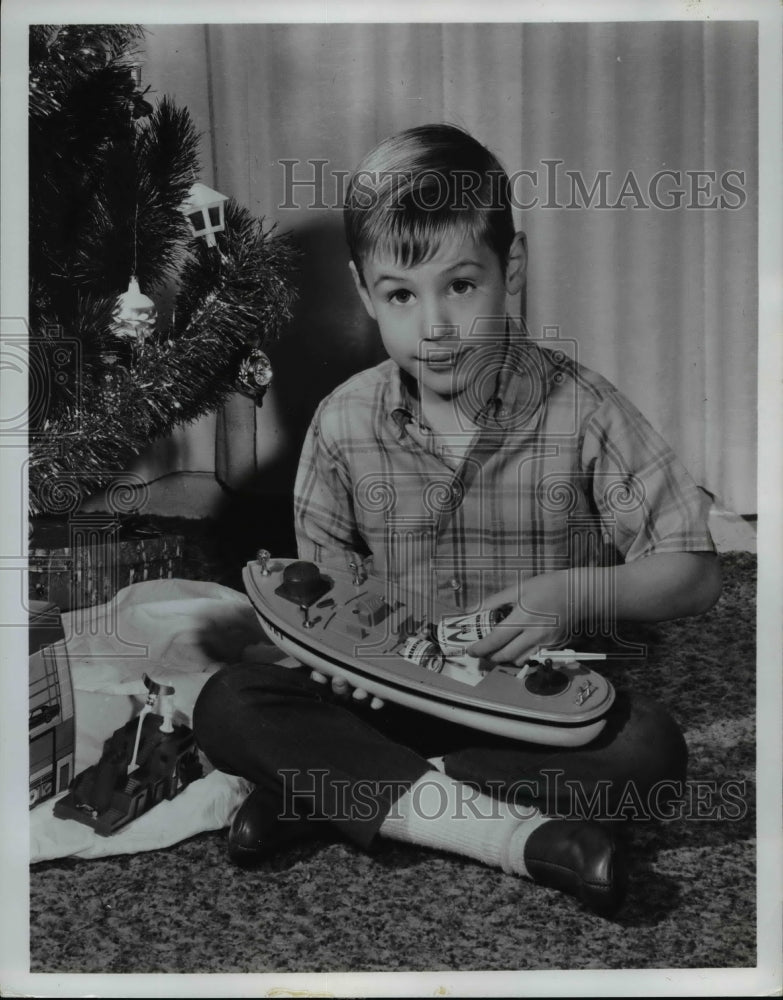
x=134, y=315
x=255, y=375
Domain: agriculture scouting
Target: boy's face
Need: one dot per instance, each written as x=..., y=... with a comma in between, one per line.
x=435, y=317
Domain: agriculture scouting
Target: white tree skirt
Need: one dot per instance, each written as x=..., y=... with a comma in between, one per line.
x=178, y=632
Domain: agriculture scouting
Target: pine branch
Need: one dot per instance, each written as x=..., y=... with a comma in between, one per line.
x=167, y=148
x=69, y=151
x=60, y=54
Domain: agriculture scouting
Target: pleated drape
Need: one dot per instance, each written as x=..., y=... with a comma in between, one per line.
x=662, y=300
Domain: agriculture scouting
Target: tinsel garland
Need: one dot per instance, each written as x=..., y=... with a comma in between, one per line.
x=178, y=376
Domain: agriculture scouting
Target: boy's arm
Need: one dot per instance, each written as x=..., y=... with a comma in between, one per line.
x=548, y=607
x=324, y=519
x=326, y=530
x=656, y=515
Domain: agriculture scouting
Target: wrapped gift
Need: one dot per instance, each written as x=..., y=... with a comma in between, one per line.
x=86, y=559
x=51, y=725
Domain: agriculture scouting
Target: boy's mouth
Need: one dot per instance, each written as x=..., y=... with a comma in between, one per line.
x=440, y=357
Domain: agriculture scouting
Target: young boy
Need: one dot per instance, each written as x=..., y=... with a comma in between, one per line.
x=478, y=467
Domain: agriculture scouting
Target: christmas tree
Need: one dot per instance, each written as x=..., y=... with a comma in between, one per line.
x=115, y=208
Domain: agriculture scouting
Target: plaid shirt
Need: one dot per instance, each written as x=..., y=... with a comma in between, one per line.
x=562, y=471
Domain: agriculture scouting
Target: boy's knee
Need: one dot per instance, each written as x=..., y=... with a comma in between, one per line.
x=232, y=698
x=641, y=757
x=660, y=741
x=213, y=712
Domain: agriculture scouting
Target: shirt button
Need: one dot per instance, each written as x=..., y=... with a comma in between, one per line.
x=455, y=584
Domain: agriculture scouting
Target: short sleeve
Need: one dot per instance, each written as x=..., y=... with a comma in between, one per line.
x=324, y=518
x=643, y=494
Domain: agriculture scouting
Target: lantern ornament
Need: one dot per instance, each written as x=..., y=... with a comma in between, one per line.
x=204, y=210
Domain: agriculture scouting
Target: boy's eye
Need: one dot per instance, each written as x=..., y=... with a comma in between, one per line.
x=462, y=285
x=401, y=296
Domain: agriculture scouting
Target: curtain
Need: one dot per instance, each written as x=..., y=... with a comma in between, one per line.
x=639, y=142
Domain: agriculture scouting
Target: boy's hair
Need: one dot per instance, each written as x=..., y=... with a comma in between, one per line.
x=421, y=185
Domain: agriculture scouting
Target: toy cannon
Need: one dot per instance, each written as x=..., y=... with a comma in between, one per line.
x=147, y=760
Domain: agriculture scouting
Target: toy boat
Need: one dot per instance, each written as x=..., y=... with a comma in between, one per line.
x=345, y=625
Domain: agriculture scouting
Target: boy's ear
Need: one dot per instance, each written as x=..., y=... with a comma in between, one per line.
x=361, y=288
x=516, y=267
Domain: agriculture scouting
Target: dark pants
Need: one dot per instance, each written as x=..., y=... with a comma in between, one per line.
x=346, y=764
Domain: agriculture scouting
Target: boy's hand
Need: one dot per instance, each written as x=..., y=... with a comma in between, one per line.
x=539, y=619
x=343, y=689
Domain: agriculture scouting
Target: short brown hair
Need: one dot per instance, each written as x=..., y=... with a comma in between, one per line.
x=418, y=186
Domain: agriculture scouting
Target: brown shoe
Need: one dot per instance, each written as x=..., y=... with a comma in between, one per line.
x=580, y=858
x=258, y=829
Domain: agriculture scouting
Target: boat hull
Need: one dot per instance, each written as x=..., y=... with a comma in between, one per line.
x=370, y=661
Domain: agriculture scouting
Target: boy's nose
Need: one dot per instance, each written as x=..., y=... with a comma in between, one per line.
x=437, y=320
x=443, y=331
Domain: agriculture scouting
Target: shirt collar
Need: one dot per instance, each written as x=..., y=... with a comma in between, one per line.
x=403, y=406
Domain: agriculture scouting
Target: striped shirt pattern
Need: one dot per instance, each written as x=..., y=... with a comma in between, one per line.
x=562, y=471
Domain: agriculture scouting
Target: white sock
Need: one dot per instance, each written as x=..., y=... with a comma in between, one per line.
x=439, y=812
